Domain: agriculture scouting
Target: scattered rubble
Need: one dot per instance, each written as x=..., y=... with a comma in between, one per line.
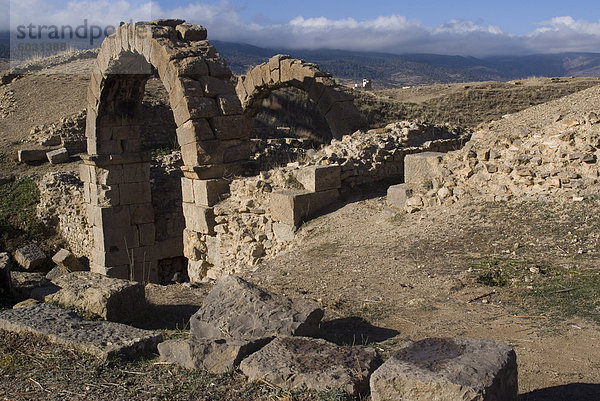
x=528, y=155
x=236, y=319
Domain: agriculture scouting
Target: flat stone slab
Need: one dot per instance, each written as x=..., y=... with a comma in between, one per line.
x=109, y=298
x=237, y=309
x=438, y=369
x=102, y=339
x=215, y=356
x=295, y=362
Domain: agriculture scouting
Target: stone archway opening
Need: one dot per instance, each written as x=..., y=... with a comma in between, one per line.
x=333, y=102
x=211, y=132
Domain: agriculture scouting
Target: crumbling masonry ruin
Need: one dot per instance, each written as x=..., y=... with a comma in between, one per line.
x=212, y=131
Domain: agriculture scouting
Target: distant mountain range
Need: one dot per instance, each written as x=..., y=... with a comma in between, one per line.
x=390, y=70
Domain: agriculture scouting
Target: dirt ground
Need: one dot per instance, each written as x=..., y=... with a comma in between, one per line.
x=413, y=276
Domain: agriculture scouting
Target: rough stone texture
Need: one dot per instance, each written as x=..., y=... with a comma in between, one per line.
x=5, y=278
x=30, y=256
x=215, y=356
x=31, y=156
x=102, y=339
x=56, y=272
x=111, y=299
x=397, y=195
x=421, y=167
x=291, y=207
x=238, y=309
x=546, y=151
x=296, y=362
x=64, y=258
x=320, y=178
x=438, y=369
x=283, y=71
x=58, y=156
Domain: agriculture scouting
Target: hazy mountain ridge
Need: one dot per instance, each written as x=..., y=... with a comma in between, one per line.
x=419, y=69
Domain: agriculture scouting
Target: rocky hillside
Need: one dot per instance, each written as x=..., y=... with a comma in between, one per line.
x=547, y=151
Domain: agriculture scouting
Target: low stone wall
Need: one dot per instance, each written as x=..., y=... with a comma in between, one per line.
x=254, y=218
x=559, y=159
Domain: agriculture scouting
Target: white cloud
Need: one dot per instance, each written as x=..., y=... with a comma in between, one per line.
x=392, y=33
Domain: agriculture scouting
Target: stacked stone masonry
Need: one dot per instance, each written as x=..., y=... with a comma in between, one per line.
x=508, y=160
x=211, y=130
x=281, y=71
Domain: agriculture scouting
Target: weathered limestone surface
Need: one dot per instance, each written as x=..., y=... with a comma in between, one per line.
x=215, y=356
x=421, y=167
x=111, y=299
x=65, y=259
x=31, y=156
x=102, y=339
x=30, y=256
x=283, y=71
x=293, y=206
x=320, y=178
x=58, y=156
x=397, y=195
x=437, y=369
x=296, y=362
x=235, y=320
x=238, y=309
x=5, y=278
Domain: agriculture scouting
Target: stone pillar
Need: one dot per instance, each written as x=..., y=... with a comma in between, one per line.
x=120, y=213
x=199, y=197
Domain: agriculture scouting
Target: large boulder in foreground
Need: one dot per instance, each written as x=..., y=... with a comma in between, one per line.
x=109, y=298
x=296, y=362
x=236, y=319
x=238, y=309
x=438, y=369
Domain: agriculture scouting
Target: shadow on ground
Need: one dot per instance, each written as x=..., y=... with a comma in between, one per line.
x=354, y=331
x=567, y=392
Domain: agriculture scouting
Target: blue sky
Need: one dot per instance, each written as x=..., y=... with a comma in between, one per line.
x=469, y=28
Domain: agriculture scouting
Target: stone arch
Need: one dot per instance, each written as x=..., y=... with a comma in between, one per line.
x=284, y=71
x=211, y=131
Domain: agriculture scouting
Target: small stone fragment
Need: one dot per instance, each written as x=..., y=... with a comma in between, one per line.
x=30, y=257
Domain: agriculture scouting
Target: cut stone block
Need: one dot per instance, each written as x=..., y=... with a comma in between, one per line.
x=191, y=32
x=102, y=339
x=199, y=218
x=215, y=356
x=284, y=232
x=58, y=156
x=238, y=309
x=447, y=370
x=397, y=195
x=5, y=278
x=293, y=206
x=296, y=362
x=64, y=258
x=209, y=192
x=31, y=156
x=52, y=140
x=110, y=298
x=421, y=167
x=320, y=178
x=30, y=256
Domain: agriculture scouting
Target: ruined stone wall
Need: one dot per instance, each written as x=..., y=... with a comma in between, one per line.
x=260, y=215
x=509, y=159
